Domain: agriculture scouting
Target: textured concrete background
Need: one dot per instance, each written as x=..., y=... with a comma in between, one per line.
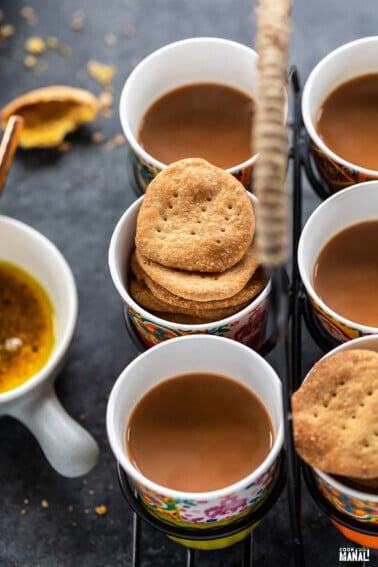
x=75, y=198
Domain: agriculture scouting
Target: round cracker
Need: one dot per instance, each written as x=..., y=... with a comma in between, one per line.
x=199, y=286
x=335, y=415
x=195, y=217
x=143, y=296
x=253, y=287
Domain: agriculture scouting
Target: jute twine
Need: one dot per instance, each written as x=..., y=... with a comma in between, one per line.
x=270, y=132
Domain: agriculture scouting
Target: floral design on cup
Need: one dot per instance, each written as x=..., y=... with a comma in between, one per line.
x=335, y=174
x=230, y=507
x=362, y=510
x=333, y=326
x=249, y=329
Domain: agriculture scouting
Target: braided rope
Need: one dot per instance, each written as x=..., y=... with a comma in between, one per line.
x=270, y=132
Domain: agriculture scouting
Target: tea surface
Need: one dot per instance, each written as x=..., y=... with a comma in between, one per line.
x=198, y=432
x=211, y=121
x=347, y=121
x=26, y=326
x=346, y=273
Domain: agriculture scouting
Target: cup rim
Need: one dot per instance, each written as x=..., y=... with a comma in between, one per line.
x=61, y=346
x=145, y=156
x=138, y=477
x=126, y=297
x=307, y=119
x=300, y=255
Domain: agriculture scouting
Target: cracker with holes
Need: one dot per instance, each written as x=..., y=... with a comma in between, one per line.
x=195, y=217
x=335, y=415
x=199, y=286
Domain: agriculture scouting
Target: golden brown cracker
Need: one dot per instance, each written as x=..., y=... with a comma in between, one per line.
x=199, y=286
x=143, y=296
x=195, y=217
x=335, y=415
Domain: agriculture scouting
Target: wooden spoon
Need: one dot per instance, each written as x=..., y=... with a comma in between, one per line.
x=8, y=146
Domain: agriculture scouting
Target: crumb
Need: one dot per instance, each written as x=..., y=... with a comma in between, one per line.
x=91, y=492
x=27, y=12
x=64, y=147
x=23, y=511
x=70, y=508
x=97, y=137
x=7, y=30
x=74, y=524
x=84, y=481
x=30, y=61
x=101, y=510
x=26, y=501
x=52, y=42
x=110, y=39
x=41, y=67
x=77, y=22
x=107, y=112
x=118, y=140
x=86, y=511
x=44, y=503
x=35, y=45
x=82, y=417
x=64, y=50
x=105, y=99
x=129, y=30
x=101, y=73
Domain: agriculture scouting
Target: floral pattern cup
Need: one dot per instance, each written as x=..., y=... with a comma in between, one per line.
x=247, y=326
x=194, y=60
x=191, y=354
x=359, y=57
x=350, y=206
x=361, y=506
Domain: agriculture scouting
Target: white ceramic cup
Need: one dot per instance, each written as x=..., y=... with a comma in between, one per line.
x=197, y=353
x=69, y=448
x=353, y=205
x=359, y=57
x=194, y=60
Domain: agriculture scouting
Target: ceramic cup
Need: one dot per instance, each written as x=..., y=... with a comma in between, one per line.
x=359, y=505
x=247, y=326
x=194, y=60
x=351, y=206
x=68, y=447
x=202, y=354
x=351, y=60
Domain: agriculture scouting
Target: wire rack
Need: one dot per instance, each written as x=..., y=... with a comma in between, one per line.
x=289, y=307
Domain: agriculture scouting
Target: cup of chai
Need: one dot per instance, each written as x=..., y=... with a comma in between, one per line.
x=340, y=113
x=338, y=262
x=196, y=423
x=163, y=303
x=38, y=314
x=355, y=497
x=192, y=98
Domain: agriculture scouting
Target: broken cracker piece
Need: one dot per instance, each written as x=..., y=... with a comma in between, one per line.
x=50, y=113
x=101, y=73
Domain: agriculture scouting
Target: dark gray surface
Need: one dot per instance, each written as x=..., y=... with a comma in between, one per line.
x=75, y=199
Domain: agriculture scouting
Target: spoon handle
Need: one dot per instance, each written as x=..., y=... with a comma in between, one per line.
x=8, y=146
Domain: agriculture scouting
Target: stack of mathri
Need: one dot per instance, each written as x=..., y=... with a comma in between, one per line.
x=195, y=260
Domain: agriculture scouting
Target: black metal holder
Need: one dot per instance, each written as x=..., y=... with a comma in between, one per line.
x=288, y=306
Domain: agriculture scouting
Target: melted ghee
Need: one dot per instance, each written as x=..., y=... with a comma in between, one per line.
x=26, y=326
